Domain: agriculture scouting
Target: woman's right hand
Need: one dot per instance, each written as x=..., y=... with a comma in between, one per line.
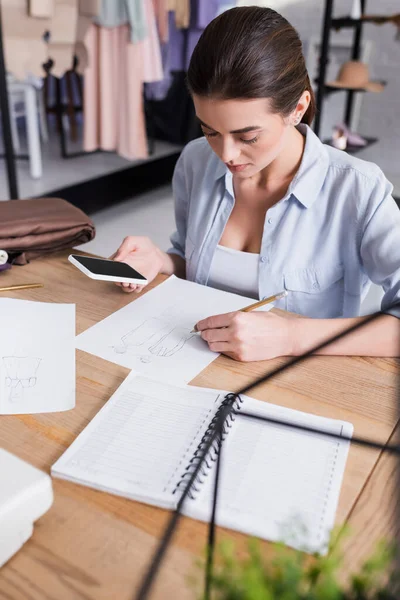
x=141, y=254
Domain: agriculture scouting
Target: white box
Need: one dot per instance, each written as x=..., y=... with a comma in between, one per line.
x=26, y=493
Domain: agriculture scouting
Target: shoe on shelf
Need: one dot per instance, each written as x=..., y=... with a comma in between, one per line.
x=339, y=138
x=353, y=138
x=343, y=137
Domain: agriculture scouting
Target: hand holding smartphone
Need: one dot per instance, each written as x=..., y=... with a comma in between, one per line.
x=107, y=270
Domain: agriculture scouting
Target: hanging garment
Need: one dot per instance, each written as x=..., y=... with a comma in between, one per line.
x=158, y=90
x=169, y=105
x=183, y=42
x=202, y=12
x=113, y=98
x=177, y=52
x=181, y=9
x=161, y=12
x=114, y=13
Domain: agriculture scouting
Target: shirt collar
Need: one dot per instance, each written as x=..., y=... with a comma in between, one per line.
x=221, y=169
x=310, y=177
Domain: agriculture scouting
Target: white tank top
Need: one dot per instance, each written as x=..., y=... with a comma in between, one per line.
x=234, y=271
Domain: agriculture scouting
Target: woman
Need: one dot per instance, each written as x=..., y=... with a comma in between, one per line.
x=262, y=205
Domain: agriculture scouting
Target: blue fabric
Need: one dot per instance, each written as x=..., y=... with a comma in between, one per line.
x=336, y=230
x=114, y=13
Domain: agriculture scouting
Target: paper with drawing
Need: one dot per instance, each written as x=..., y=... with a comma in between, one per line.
x=37, y=356
x=152, y=334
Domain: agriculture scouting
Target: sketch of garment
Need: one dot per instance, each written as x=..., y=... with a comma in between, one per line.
x=20, y=374
x=148, y=332
x=158, y=335
x=171, y=342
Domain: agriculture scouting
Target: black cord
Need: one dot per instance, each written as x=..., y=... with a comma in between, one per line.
x=302, y=357
x=211, y=529
x=395, y=449
x=171, y=527
x=218, y=426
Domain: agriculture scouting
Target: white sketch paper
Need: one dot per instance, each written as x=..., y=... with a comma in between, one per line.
x=152, y=335
x=37, y=356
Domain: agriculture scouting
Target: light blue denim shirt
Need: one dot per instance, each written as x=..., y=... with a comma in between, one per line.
x=336, y=230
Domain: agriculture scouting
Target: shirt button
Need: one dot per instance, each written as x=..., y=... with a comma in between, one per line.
x=315, y=286
x=270, y=221
x=263, y=259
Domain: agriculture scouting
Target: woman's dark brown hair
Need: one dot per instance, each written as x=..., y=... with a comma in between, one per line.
x=251, y=52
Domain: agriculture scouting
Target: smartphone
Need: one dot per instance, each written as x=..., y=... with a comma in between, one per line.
x=107, y=270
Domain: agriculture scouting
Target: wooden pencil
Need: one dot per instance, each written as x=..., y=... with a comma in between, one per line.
x=22, y=286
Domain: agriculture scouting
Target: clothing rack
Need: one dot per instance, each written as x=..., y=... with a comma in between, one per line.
x=60, y=109
x=323, y=89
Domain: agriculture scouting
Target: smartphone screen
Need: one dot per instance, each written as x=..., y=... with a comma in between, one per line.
x=99, y=266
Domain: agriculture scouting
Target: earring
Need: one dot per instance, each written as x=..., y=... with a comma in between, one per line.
x=297, y=120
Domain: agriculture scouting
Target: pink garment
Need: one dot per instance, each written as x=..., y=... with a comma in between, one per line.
x=150, y=48
x=161, y=11
x=113, y=99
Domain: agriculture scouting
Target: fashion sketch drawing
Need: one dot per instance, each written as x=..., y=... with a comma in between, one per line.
x=20, y=375
x=159, y=336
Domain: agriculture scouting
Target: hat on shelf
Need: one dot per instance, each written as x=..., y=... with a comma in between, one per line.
x=354, y=75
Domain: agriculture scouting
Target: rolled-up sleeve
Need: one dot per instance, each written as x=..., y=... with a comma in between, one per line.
x=181, y=198
x=380, y=243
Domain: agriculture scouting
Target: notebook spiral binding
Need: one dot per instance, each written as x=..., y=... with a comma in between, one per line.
x=235, y=402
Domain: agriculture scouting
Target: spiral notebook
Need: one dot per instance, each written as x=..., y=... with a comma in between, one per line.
x=277, y=483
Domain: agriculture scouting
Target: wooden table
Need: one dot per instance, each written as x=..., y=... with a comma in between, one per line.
x=94, y=545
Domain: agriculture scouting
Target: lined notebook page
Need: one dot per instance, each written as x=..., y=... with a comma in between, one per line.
x=278, y=483
x=140, y=442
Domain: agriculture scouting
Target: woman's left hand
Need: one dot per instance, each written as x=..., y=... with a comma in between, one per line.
x=249, y=336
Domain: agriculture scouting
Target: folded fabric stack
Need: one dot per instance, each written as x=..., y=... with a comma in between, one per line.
x=32, y=228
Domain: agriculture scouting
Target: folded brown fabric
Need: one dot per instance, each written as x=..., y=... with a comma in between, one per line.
x=31, y=228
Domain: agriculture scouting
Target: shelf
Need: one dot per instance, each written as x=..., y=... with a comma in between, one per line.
x=355, y=149
x=324, y=90
x=348, y=22
x=331, y=89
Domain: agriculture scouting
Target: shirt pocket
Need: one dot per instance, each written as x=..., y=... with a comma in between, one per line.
x=316, y=292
